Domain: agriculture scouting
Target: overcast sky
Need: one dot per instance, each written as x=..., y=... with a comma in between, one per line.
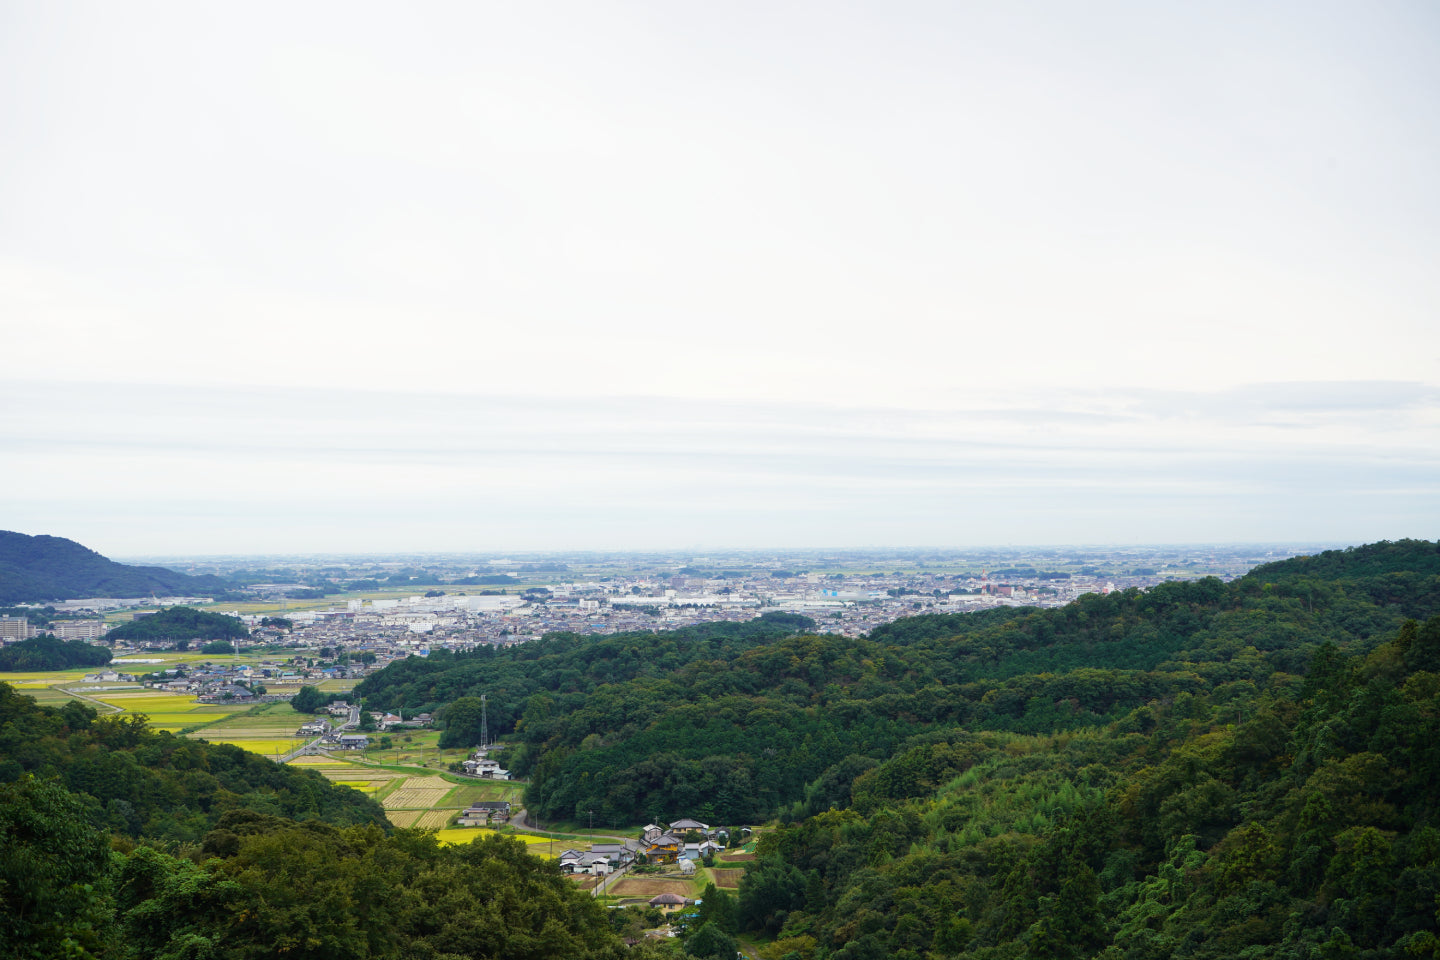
x=349, y=276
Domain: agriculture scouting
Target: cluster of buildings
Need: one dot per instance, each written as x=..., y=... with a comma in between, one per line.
x=401, y=626
x=657, y=844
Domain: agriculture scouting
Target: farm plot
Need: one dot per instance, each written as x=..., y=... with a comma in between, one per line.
x=417, y=793
x=635, y=887
x=404, y=818
x=536, y=846
x=468, y=793
x=43, y=678
x=728, y=879
x=311, y=760
x=433, y=819
x=167, y=711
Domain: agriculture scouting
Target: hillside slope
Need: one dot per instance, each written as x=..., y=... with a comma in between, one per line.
x=45, y=568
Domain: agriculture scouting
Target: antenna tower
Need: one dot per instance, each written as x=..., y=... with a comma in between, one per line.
x=484, y=725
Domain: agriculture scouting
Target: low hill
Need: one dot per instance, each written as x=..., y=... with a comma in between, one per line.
x=44, y=568
x=47, y=653
x=118, y=842
x=179, y=623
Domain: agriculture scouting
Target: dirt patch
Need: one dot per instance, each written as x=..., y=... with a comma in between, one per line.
x=583, y=882
x=729, y=879
x=631, y=887
x=737, y=857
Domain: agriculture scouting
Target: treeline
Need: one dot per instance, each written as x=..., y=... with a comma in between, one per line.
x=180, y=623
x=262, y=886
x=47, y=653
x=1298, y=820
x=741, y=724
x=139, y=782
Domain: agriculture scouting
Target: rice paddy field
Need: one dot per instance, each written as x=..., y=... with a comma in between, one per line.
x=166, y=711
x=538, y=846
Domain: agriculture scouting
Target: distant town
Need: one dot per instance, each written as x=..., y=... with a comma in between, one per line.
x=361, y=613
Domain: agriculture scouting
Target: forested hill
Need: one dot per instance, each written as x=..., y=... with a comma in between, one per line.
x=120, y=843
x=180, y=623
x=35, y=569
x=739, y=728
x=140, y=782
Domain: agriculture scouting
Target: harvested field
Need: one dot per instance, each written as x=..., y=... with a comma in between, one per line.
x=417, y=793
x=434, y=819
x=404, y=818
x=584, y=881
x=634, y=887
x=729, y=879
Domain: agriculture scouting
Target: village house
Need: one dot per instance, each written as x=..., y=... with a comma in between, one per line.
x=483, y=812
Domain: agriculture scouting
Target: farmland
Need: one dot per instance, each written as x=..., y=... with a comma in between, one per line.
x=166, y=711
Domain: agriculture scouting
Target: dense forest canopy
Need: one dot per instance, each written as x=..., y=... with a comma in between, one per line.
x=34, y=569
x=47, y=653
x=739, y=724
x=180, y=623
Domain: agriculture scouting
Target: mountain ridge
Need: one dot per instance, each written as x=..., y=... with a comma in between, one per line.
x=48, y=568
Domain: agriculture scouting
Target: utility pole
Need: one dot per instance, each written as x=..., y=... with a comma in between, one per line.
x=484, y=724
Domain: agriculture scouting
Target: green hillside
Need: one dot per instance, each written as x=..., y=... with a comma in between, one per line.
x=1201, y=770
x=44, y=568
x=180, y=623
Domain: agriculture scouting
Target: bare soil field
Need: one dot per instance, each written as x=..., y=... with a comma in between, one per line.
x=585, y=881
x=634, y=887
x=737, y=857
x=729, y=879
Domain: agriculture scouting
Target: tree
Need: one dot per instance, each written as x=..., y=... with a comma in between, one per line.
x=462, y=723
x=711, y=942
x=308, y=700
x=51, y=861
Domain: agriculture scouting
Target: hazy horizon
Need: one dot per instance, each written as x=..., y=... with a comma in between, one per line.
x=341, y=278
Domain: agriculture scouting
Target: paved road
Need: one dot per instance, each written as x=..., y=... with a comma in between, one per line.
x=353, y=721
x=607, y=882
x=519, y=822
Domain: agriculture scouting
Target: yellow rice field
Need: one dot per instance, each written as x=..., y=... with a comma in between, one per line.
x=167, y=711
x=539, y=845
x=269, y=747
x=311, y=760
